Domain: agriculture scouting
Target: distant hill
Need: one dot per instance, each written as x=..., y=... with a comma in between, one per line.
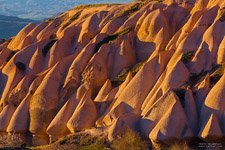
x=43, y=8
x=10, y=26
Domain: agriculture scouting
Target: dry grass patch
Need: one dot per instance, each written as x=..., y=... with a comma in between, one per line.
x=179, y=146
x=129, y=141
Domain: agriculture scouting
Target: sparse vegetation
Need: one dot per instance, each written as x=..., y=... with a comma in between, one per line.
x=160, y=1
x=11, y=141
x=129, y=141
x=222, y=14
x=85, y=141
x=179, y=146
x=187, y=57
x=111, y=38
x=217, y=74
x=82, y=7
x=130, y=10
x=73, y=18
x=127, y=12
x=195, y=78
x=50, y=20
x=121, y=77
x=81, y=141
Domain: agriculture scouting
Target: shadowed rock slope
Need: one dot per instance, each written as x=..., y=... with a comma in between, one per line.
x=154, y=67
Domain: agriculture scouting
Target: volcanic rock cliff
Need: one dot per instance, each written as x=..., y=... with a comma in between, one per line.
x=154, y=67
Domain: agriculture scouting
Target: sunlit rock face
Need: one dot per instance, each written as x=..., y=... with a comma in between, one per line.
x=154, y=67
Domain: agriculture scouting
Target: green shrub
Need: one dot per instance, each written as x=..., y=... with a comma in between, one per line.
x=187, y=57
x=111, y=38
x=121, y=77
x=217, y=74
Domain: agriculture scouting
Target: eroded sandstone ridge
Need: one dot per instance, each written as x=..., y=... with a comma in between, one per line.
x=155, y=67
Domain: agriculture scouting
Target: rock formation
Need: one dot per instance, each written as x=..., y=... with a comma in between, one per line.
x=151, y=66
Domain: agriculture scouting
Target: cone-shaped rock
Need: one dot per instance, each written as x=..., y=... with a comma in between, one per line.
x=5, y=116
x=57, y=127
x=84, y=116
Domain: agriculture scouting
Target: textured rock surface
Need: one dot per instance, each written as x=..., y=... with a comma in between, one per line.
x=155, y=67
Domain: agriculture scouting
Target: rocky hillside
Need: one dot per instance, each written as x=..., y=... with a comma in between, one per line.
x=150, y=66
